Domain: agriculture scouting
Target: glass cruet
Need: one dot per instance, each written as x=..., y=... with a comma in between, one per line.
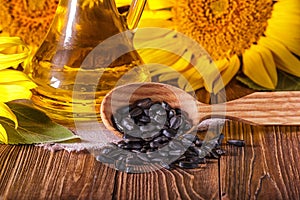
x=72, y=74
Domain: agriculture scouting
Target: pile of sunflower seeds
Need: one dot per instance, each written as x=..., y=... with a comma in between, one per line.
x=155, y=135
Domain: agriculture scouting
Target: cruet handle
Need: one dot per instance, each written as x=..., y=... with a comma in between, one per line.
x=135, y=12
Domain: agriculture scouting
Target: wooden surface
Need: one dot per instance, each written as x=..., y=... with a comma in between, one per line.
x=261, y=108
x=268, y=167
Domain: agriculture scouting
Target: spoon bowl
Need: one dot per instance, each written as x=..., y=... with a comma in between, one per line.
x=127, y=94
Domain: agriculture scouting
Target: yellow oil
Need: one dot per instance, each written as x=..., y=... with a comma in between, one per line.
x=68, y=93
x=73, y=75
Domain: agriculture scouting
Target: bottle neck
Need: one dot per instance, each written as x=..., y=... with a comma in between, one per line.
x=86, y=22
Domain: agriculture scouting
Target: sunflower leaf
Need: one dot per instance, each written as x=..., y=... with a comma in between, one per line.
x=286, y=82
x=34, y=126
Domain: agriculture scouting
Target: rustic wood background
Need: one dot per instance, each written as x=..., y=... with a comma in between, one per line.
x=268, y=167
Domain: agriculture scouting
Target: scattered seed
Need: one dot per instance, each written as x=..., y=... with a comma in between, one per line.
x=238, y=143
x=187, y=165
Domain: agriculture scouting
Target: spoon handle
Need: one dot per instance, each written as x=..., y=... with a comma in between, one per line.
x=261, y=108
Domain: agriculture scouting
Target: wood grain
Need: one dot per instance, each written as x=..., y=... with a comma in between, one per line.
x=163, y=184
x=29, y=172
x=268, y=167
x=262, y=108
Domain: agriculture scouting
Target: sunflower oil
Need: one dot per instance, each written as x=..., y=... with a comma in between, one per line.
x=84, y=55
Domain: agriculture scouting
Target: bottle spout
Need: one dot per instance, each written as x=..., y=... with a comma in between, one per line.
x=135, y=12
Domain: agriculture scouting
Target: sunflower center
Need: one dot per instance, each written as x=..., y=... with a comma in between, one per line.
x=28, y=19
x=223, y=27
x=219, y=7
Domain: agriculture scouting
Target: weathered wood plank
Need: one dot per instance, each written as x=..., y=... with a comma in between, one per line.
x=29, y=172
x=268, y=167
x=163, y=184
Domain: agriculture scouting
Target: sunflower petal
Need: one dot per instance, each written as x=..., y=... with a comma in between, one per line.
x=10, y=53
x=13, y=92
x=7, y=113
x=158, y=69
x=191, y=84
x=290, y=38
x=162, y=23
x=284, y=59
x=168, y=43
x=227, y=73
x=269, y=62
x=158, y=56
x=3, y=135
x=8, y=42
x=161, y=14
x=8, y=75
x=13, y=60
x=168, y=76
x=208, y=71
x=254, y=67
x=143, y=35
x=160, y=4
x=195, y=85
x=182, y=63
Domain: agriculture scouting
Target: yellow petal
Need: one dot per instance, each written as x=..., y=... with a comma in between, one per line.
x=183, y=63
x=208, y=71
x=268, y=62
x=8, y=42
x=282, y=6
x=7, y=113
x=286, y=38
x=159, y=69
x=26, y=84
x=161, y=14
x=143, y=35
x=158, y=56
x=162, y=49
x=168, y=43
x=168, y=76
x=193, y=86
x=254, y=67
x=3, y=135
x=162, y=23
x=286, y=34
x=160, y=4
x=13, y=92
x=191, y=80
x=233, y=66
x=10, y=53
x=13, y=60
x=192, y=73
x=8, y=75
x=284, y=59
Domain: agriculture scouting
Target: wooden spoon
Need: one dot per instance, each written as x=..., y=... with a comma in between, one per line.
x=260, y=108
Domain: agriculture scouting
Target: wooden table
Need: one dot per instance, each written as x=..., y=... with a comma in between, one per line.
x=268, y=167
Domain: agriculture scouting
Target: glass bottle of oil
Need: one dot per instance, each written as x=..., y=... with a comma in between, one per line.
x=88, y=51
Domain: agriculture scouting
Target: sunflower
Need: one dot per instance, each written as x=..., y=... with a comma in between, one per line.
x=27, y=19
x=14, y=84
x=256, y=36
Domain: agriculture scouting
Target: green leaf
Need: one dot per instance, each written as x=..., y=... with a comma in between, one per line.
x=34, y=126
x=286, y=82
